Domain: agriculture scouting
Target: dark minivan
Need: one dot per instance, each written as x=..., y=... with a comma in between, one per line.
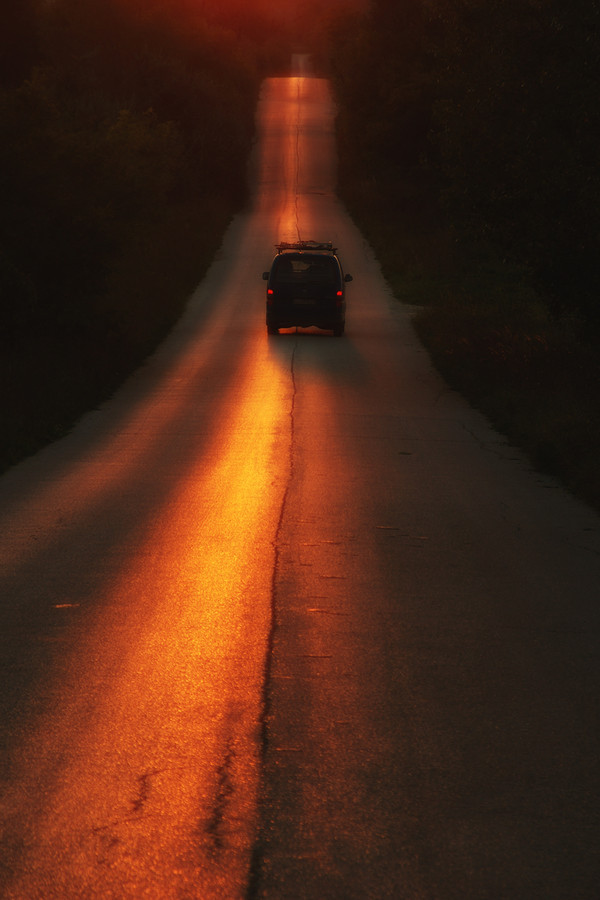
x=306, y=286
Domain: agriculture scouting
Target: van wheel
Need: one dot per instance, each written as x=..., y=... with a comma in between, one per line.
x=272, y=329
x=338, y=330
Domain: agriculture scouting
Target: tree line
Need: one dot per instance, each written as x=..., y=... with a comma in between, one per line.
x=492, y=106
x=110, y=113
x=125, y=127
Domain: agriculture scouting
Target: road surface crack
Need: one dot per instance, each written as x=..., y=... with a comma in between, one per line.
x=225, y=789
x=258, y=850
x=144, y=781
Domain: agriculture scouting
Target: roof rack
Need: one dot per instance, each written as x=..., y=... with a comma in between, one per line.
x=306, y=245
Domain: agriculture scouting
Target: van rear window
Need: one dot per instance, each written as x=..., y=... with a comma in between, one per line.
x=319, y=269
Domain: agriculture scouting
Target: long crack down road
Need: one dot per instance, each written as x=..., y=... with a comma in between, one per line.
x=286, y=618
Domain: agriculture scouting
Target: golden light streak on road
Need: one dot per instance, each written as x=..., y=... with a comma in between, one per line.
x=177, y=662
x=288, y=226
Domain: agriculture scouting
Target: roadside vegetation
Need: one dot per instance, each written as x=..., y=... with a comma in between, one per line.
x=468, y=154
x=125, y=128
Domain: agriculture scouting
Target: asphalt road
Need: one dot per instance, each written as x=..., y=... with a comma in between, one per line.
x=286, y=618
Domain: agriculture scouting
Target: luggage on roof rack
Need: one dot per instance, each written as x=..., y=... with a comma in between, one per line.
x=306, y=245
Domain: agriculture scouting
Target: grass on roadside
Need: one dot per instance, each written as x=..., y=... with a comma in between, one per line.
x=490, y=334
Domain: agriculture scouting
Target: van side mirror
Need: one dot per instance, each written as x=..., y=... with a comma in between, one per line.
x=265, y=276
x=348, y=278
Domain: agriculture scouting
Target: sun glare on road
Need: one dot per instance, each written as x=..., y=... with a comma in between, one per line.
x=176, y=663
